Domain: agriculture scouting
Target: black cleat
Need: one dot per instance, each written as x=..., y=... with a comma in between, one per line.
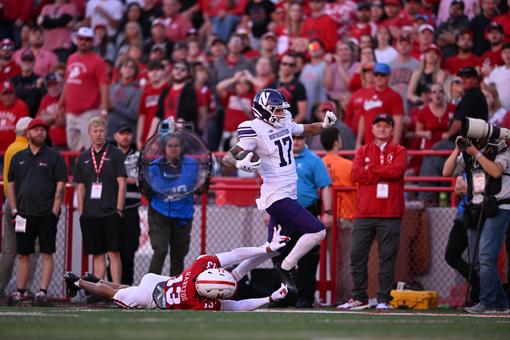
x=90, y=277
x=71, y=289
x=15, y=298
x=41, y=300
x=288, y=277
x=304, y=303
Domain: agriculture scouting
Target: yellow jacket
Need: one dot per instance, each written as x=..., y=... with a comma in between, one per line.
x=20, y=143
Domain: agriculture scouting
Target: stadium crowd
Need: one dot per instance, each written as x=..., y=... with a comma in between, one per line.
x=426, y=64
x=203, y=61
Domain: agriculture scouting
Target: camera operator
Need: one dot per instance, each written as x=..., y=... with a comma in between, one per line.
x=487, y=165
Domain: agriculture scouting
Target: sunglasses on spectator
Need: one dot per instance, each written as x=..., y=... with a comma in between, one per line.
x=378, y=74
x=287, y=64
x=181, y=69
x=84, y=39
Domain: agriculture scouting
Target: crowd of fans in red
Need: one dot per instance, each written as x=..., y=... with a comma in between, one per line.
x=138, y=62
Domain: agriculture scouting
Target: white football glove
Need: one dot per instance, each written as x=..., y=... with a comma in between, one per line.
x=278, y=241
x=246, y=164
x=329, y=120
x=280, y=293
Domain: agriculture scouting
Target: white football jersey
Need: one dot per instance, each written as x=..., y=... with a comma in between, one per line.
x=277, y=164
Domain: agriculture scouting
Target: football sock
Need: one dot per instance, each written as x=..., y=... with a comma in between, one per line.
x=247, y=265
x=303, y=246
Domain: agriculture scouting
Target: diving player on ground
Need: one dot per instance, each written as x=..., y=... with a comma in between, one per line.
x=202, y=286
x=270, y=136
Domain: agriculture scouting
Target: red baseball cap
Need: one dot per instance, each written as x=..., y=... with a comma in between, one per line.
x=7, y=87
x=37, y=122
x=433, y=47
x=392, y=2
x=467, y=31
x=327, y=105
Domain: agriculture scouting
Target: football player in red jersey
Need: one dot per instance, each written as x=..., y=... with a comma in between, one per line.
x=202, y=286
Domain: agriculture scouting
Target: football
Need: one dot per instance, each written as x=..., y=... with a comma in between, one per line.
x=242, y=155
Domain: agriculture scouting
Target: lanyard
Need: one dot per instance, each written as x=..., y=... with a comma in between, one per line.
x=98, y=170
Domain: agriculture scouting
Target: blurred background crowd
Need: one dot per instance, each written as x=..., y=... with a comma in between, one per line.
x=137, y=62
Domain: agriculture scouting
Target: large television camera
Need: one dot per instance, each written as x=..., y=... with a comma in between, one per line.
x=473, y=128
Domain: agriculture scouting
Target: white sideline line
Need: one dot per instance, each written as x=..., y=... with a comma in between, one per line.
x=45, y=314
x=290, y=311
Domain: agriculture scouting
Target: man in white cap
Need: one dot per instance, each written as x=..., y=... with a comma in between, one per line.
x=9, y=237
x=85, y=93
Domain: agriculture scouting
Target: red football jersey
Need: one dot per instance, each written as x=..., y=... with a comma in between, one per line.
x=9, y=116
x=180, y=291
x=375, y=102
x=84, y=74
x=149, y=106
x=8, y=70
x=454, y=64
x=437, y=125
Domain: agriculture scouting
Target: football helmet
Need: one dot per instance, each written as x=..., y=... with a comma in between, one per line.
x=265, y=103
x=216, y=283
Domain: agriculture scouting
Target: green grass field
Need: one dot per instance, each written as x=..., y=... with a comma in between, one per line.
x=109, y=323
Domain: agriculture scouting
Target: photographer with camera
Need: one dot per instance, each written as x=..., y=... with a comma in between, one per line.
x=482, y=153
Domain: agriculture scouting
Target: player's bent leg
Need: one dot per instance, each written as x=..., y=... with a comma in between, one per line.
x=99, y=289
x=302, y=247
x=139, y=296
x=247, y=265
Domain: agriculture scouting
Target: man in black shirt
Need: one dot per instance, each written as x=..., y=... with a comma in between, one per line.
x=100, y=179
x=130, y=234
x=158, y=40
x=28, y=85
x=37, y=177
x=472, y=104
x=480, y=22
x=291, y=88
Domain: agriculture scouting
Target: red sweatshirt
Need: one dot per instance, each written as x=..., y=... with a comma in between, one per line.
x=372, y=169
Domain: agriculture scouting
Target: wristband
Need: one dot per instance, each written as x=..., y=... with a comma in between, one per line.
x=104, y=112
x=14, y=212
x=478, y=155
x=269, y=250
x=270, y=299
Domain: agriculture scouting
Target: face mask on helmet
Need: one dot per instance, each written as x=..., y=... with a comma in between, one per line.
x=216, y=284
x=266, y=102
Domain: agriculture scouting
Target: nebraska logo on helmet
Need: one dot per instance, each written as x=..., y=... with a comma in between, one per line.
x=216, y=283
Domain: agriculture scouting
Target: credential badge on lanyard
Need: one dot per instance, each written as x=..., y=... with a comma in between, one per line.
x=97, y=187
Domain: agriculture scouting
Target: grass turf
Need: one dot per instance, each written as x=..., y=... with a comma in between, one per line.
x=93, y=324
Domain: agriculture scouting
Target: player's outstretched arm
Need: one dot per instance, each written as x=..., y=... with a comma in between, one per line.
x=316, y=128
x=239, y=254
x=252, y=304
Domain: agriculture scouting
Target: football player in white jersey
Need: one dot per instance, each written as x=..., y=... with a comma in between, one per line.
x=269, y=135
